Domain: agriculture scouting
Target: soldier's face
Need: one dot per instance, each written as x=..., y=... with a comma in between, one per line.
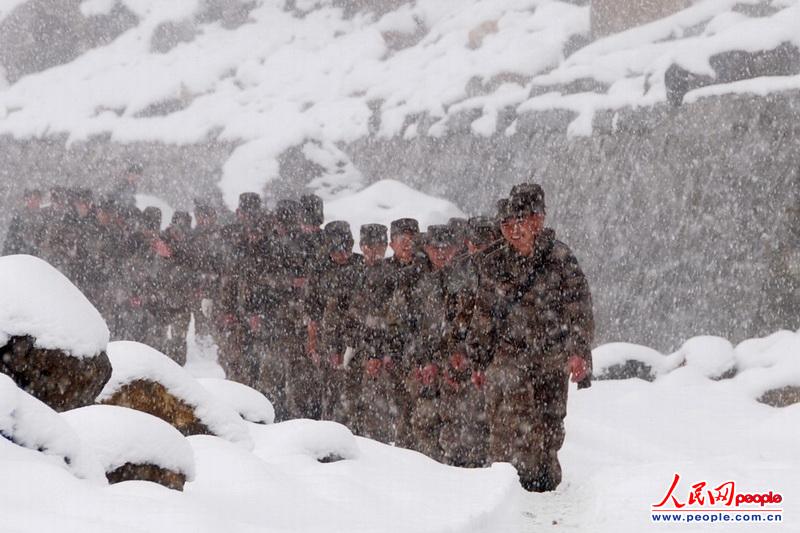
x=33, y=202
x=82, y=208
x=521, y=232
x=403, y=247
x=340, y=257
x=440, y=256
x=373, y=253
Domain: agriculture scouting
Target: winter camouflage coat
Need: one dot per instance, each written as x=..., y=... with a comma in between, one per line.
x=533, y=312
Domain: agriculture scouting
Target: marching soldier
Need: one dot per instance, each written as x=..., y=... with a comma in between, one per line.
x=376, y=409
x=329, y=305
x=404, y=271
x=534, y=312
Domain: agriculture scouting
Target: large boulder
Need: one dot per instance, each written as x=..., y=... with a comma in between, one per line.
x=29, y=423
x=146, y=380
x=132, y=445
x=52, y=340
x=251, y=405
x=731, y=66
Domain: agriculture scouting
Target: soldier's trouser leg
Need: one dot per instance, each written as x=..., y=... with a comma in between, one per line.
x=345, y=410
x=404, y=407
x=464, y=435
x=176, y=335
x=272, y=378
x=303, y=395
x=550, y=394
x=425, y=426
x=512, y=417
x=377, y=409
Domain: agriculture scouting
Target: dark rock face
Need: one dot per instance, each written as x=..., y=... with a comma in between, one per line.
x=734, y=65
x=630, y=369
x=147, y=472
x=782, y=397
x=61, y=381
x=153, y=398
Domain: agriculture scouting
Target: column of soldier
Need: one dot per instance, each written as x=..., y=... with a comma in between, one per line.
x=459, y=345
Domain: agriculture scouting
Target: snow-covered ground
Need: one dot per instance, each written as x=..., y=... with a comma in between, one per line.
x=313, y=75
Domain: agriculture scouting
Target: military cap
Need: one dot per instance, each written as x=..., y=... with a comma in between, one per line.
x=312, y=210
x=203, y=209
x=373, y=234
x=182, y=220
x=30, y=193
x=525, y=199
x=108, y=203
x=288, y=212
x=483, y=230
x=151, y=217
x=460, y=227
x=441, y=236
x=404, y=225
x=249, y=202
x=135, y=168
x=84, y=195
x=338, y=235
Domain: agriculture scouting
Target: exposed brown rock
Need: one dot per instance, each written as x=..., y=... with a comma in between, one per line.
x=147, y=472
x=153, y=398
x=61, y=381
x=782, y=397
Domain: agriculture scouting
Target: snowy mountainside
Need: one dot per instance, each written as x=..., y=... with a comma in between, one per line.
x=296, y=72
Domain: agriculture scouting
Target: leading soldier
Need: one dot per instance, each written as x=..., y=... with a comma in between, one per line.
x=536, y=302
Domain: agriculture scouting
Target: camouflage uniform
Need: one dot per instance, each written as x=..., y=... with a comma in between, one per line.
x=531, y=314
x=465, y=432
x=401, y=327
x=208, y=249
x=329, y=305
x=376, y=410
x=441, y=301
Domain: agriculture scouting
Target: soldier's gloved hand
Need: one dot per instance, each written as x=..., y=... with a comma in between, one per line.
x=161, y=248
x=429, y=374
x=373, y=367
x=255, y=322
x=458, y=361
x=336, y=360
x=315, y=358
x=578, y=368
x=478, y=379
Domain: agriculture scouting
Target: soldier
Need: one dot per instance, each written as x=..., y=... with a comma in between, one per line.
x=460, y=227
x=536, y=302
x=143, y=297
x=173, y=278
x=376, y=410
x=124, y=193
x=464, y=434
x=404, y=270
x=329, y=304
x=100, y=257
x=26, y=231
x=288, y=369
x=208, y=250
x=438, y=302
x=232, y=328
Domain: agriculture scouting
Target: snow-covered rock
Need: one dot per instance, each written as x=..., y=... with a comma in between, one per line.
x=147, y=380
x=712, y=356
x=36, y=300
x=52, y=340
x=30, y=423
x=322, y=441
x=622, y=360
x=248, y=402
x=130, y=443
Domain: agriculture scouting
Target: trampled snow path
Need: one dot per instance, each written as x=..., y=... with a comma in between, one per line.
x=626, y=440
